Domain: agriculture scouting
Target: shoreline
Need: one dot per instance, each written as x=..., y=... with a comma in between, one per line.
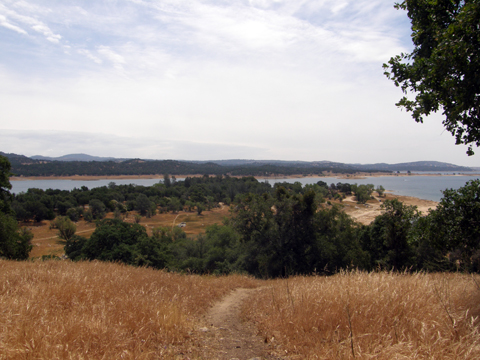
x=367, y=214
x=361, y=213
x=356, y=176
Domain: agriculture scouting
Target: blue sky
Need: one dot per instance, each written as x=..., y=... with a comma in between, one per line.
x=186, y=79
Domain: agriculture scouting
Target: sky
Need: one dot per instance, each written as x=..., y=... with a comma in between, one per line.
x=210, y=80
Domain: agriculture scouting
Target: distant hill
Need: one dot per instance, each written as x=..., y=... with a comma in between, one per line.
x=83, y=164
x=76, y=157
x=410, y=166
x=19, y=159
x=415, y=166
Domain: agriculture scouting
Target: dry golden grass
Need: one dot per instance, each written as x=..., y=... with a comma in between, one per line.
x=196, y=224
x=46, y=242
x=93, y=310
x=371, y=316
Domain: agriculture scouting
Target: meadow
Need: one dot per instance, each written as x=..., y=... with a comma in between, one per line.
x=93, y=310
x=46, y=241
x=358, y=315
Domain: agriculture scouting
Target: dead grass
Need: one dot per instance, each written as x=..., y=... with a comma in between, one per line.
x=93, y=310
x=196, y=224
x=46, y=242
x=371, y=316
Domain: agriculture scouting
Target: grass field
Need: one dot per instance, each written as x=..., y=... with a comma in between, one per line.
x=93, y=310
x=371, y=316
x=46, y=241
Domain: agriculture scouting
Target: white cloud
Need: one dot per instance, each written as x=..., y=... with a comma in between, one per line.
x=4, y=22
x=49, y=35
x=117, y=59
x=339, y=6
x=185, y=79
x=89, y=55
x=27, y=20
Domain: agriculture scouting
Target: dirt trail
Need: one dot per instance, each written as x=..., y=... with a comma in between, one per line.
x=56, y=236
x=226, y=337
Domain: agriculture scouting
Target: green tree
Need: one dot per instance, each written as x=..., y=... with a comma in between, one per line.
x=338, y=246
x=387, y=239
x=74, y=213
x=5, y=186
x=63, y=207
x=167, y=181
x=66, y=228
x=97, y=209
x=151, y=253
x=174, y=205
x=277, y=233
x=73, y=247
x=380, y=190
x=117, y=214
x=88, y=216
x=442, y=70
x=189, y=204
x=455, y=226
x=143, y=204
x=362, y=192
x=113, y=240
x=152, y=211
x=14, y=244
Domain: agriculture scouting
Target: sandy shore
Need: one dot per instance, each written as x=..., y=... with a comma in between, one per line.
x=357, y=176
x=366, y=214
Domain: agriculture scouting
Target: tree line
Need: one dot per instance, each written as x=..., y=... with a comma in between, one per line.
x=284, y=232
x=23, y=166
x=190, y=194
x=273, y=230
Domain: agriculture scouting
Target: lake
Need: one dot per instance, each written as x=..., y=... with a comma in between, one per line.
x=423, y=187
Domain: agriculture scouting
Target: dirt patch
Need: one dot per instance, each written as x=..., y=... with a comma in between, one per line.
x=223, y=334
x=366, y=213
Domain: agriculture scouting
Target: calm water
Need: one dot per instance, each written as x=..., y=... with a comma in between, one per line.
x=423, y=187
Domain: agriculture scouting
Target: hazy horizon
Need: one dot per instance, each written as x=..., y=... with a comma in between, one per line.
x=230, y=159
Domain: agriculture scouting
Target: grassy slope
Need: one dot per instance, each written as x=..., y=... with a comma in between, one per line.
x=371, y=316
x=65, y=310
x=59, y=309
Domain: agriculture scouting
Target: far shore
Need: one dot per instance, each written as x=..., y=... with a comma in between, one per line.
x=356, y=176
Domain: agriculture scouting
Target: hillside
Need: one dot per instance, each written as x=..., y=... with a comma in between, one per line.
x=76, y=157
x=75, y=310
x=415, y=166
x=82, y=164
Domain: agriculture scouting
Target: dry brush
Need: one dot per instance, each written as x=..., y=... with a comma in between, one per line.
x=371, y=316
x=94, y=310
